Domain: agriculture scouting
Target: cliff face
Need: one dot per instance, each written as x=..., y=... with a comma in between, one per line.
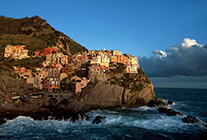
x=103, y=95
x=115, y=90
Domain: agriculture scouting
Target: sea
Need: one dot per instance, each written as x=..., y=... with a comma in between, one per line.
x=123, y=123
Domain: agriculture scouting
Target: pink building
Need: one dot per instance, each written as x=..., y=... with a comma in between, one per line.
x=79, y=84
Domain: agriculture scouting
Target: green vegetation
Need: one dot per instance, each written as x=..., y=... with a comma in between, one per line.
x=75, y=47
x=137, y=87
x=27, y=63
x=119, y=68
x=35, y=33
x=147, y=80
x=140, y=71
x=134, y=82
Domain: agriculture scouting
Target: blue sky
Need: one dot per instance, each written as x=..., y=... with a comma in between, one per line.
x=133, y=26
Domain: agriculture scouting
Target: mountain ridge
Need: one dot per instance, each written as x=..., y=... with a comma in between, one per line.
x=36, y=34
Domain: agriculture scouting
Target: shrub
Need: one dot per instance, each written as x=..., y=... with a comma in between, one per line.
x=141, y=72
x=147, y=80
x=119, y=68
x=137, y=87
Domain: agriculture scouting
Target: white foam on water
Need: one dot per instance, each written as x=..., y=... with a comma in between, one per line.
x=111, y=112
x=132, y=118
x=154, y=121
x=162, y=123
x=113, y=120
x=143, y=108
x=19, y=119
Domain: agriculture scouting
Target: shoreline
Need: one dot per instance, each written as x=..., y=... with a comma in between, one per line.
x=55, y=113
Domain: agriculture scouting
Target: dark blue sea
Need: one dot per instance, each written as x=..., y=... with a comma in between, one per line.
x=125, y=123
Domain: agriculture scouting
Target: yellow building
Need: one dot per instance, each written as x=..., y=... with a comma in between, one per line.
x=16, y=52
x=115, y=52
x=8, y=51
x=132, y=64
x=57, y=58
x=103, y=60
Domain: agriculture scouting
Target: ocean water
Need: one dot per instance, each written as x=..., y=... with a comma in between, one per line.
x=124, y=123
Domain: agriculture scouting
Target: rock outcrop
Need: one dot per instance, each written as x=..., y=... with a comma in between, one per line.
x=169, y=112
x=115, y=89
x=170, y=102
x=156, y=102
x=98, y=119
x=190, y=119
x=2, y=121
x=104, y=95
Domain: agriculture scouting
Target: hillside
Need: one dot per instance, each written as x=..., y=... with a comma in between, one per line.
x=36, y=34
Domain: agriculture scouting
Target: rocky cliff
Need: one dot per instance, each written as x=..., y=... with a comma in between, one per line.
x=118, y=90
x=104, y=95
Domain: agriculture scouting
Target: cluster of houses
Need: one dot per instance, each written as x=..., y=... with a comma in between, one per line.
x=16, y=52
x=104, y=58
x=60, y=71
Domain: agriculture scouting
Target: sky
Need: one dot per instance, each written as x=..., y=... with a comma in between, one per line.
x=154, y=31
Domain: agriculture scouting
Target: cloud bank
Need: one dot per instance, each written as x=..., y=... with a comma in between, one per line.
x=187, y=59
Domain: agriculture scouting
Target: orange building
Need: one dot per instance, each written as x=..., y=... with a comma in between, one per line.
x=119, y=59
x=45, y=51
x=22, y=69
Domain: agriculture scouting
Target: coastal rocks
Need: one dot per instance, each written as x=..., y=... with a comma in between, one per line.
x=190, y=119
x=87, y=118
x=169, y=112
x=170, y=102
x=53, y=101
x=98, y=119
x=159, y=102
x=2, y=121
x=94, y=96
x=156, y=102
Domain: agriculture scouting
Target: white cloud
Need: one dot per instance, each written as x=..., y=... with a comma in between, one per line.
x=159, y=53
x=187, y=42
x=187, y=59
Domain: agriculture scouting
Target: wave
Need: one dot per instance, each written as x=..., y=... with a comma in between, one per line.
x=146, y=118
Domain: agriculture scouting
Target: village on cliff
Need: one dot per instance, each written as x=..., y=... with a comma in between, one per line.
x=60, y=71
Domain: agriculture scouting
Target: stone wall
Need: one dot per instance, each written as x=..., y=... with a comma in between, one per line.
x=95, y=74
